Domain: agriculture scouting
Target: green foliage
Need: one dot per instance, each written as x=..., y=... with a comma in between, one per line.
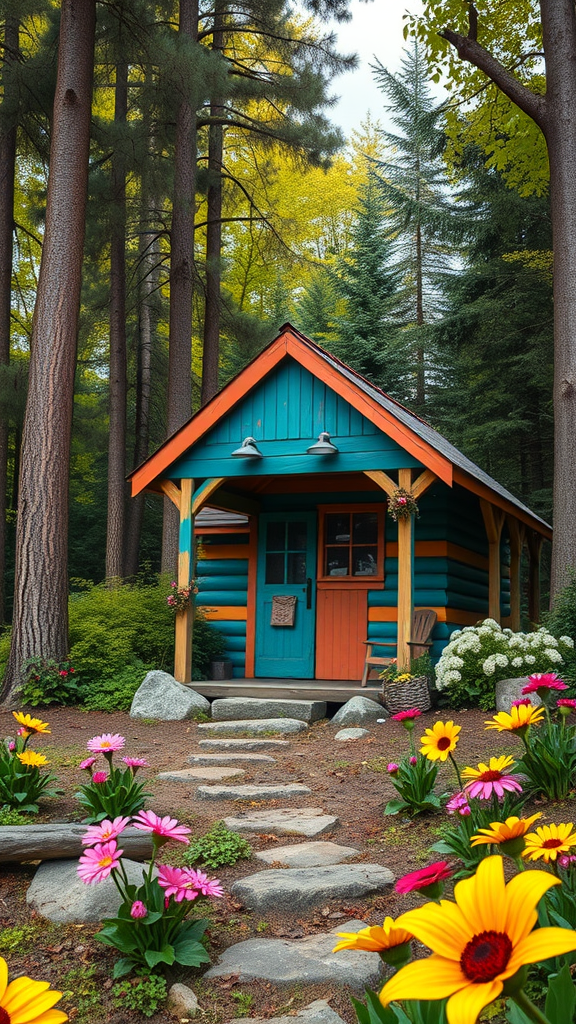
x=244, y=1001
x=208, y=645
x=12, y=818
x=23, y=785
x=561, y=622
x=455, y=837
x=118, y=795
x=415, y=784
x=117, y=693
x=81, y=990
x=549, y=758
x=145, y=995
x=19, y=939
x=47, y=681
x=217, y=847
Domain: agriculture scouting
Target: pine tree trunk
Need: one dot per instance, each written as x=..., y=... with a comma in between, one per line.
x=181, y=281
x=7, y=166
x=41, y=592
x=420, y=364
x=211, y=347
x=117, y=384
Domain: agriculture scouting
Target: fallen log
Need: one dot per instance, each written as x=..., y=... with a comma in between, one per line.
x=62, y=841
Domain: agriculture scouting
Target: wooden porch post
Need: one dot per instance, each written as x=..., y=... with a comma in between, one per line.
x=185, y=619
x=535, y=541
x=516, y=532
x=405, y=578
x=493, y=521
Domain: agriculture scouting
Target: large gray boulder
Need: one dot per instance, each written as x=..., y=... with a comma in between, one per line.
x=509, y=690
x=161, y=696
x=57, y=893
x=359, y=711
x=234, y=708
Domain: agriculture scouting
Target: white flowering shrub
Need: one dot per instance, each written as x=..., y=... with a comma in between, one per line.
x=478, y=656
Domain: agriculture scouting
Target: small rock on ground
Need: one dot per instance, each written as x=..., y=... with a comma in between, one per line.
x=277, y=792
x=351, y=734
x=183, y=1001
x=57, y=893
x=235, y=708
x=255, y=726
x=161, y=696
x=226, y=759
x=206, y=774
x=284, y=821
x=296, y=890
x=308, y=961
x=307, y=855
x=318, y=1012
x=233, y=745
x=358, y=711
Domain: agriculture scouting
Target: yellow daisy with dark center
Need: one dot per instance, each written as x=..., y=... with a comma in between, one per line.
x=520, y=717
x=479, y=941
x=29, y=723
x=439, y=741
x=549, y=841
x=25, y=1001
x=509, y=835
x=32, y=760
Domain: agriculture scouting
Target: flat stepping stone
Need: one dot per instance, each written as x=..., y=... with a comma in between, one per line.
x=237, y=745
x=233, y=708
x=256, y=725
x=318, y=1012
x=302, y=961
x=299, y=889
x=205, y=774
x=284, y=821
x=351, y=734
x=307, y=855
x=274, y=792
x=226, y=759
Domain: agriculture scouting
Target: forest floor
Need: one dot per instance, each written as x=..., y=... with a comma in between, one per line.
x=348, y=780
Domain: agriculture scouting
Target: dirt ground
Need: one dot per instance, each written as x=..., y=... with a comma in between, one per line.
x=348, y=780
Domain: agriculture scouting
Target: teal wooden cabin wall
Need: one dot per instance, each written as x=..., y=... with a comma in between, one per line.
x=223, y=583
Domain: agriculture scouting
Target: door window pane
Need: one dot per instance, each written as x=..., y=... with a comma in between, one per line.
x=296, y=567
x=338, y=527
x=297, y=538
x=365, y=561
x=275, y=568
x=276, y=537
x=337, y=561
x=365, y=528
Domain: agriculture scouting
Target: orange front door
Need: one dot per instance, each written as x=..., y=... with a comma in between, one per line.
x=341, y=628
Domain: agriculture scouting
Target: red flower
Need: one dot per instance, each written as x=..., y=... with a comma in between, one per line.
x=566, y=702
x=403, y=716
x=541, y=682
x=425, y=878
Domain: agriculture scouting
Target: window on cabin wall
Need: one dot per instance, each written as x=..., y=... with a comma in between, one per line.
x=352, y=544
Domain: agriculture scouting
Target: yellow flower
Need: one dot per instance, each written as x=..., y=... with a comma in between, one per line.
x=32, y=760
x=479, y=941
x=548, y=841
x=504, y=831
x=439, y=741
x=375, y=938
x=520, y=717
x=497, y=764
x=25, y=1001
x=31, y=724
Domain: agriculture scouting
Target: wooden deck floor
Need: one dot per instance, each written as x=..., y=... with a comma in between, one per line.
x=337, y=691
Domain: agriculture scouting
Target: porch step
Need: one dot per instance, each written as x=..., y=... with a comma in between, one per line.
x=275, y=791
x=234, y=746
x=252, y=727
x=236, y=708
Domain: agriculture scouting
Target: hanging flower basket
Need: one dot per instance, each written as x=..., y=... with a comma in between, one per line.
x=405, y=694
x=402, y=504
x=180, y=597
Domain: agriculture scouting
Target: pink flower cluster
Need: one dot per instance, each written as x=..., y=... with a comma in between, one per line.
x=108, y=744
x=187, y=884
x=544, y=681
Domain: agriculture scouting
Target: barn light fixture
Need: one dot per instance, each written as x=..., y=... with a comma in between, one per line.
x=323, y=446
x=247, y=450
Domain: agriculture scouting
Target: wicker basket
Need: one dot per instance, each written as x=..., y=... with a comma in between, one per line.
x=405, y=696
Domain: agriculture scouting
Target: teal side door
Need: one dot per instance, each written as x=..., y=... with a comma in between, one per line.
x=286, y=567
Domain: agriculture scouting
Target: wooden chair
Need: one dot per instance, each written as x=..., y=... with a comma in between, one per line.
x=423, y=622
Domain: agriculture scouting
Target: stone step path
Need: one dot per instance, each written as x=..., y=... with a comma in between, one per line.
x=231, y=759
x=255, y=726
x=307, y=855
x=318, y=1012
x=236, y=708
x=284, y=821
x=299, y=889
x=303, y=961
x=278, y=791
x=206, y=773
x=233, y=746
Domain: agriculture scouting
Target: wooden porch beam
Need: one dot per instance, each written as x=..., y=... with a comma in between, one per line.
x=493, y=521
x=423, y=482
x=535, y=541
x=169, y=488
x=205, y=492
x=516, y=531
x=383, y=480
x=184, y=619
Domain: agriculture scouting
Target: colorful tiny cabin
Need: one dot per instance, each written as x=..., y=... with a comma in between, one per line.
x=298, y=562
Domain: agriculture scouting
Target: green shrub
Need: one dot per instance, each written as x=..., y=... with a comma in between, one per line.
x=144, y=995
x=8, y=816
x=208, y=645
x=217, y=848
x=115, y=694
x=5, y=636
x=49, y=682
x=561, y=621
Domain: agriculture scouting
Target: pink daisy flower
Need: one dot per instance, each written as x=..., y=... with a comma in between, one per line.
x=136, y=762
x=491, y=778
x=544, y=682
x=107, y=743
x=178, y=882
x=87, y=764
x=405, y=716
x=104, y=831
x=425, y=878
x=138, y=909
x=566, y=702
x=99, y=777
x=207, y=886
x=524, y=702
x=458, y=804
x=98, y=862
x=166, y=828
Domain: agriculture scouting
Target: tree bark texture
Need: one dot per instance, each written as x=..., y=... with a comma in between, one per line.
x=211, y=347
x=117, y=495
x=181, y=279
x=8, y=130
x=41, y=592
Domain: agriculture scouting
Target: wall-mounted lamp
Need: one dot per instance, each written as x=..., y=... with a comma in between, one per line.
x=323, y=446
x=247, y=450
